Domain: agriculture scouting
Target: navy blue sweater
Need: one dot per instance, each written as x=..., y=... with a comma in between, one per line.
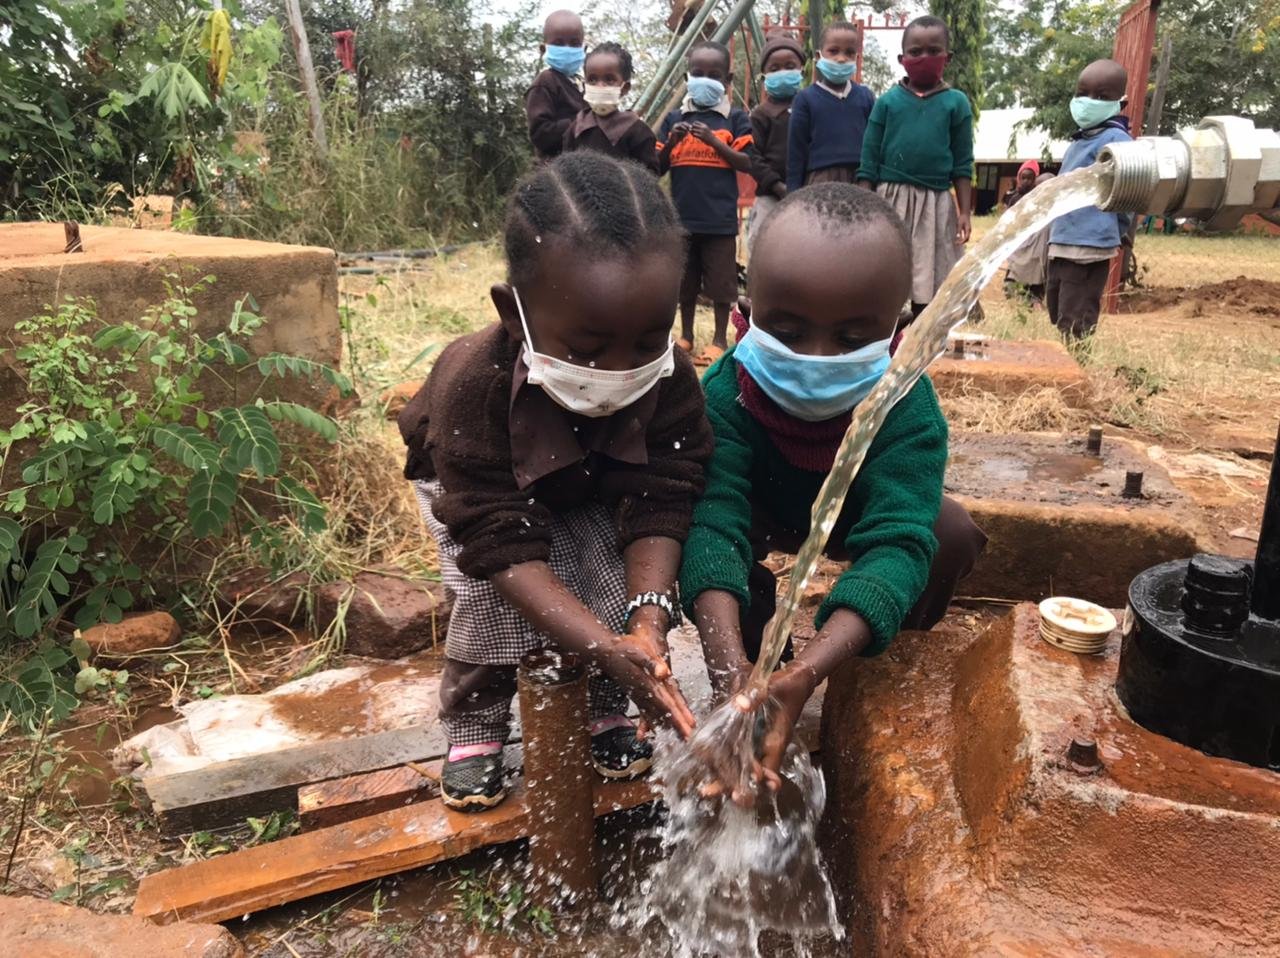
x=826, y=130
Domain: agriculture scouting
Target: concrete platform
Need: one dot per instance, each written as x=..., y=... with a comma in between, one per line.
x=295, y=288
x=1056, y=518
x=958, y=824
x=1008, y=368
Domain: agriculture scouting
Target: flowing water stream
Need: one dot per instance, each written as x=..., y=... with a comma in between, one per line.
x=730, y=872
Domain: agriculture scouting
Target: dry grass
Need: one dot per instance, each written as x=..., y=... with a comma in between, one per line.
x=1163, y=370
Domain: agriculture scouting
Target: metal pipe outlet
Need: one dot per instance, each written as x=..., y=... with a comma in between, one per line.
x=1216, y=172
x=557, y=773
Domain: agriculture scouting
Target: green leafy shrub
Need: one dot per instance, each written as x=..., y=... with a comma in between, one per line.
x=125, y=466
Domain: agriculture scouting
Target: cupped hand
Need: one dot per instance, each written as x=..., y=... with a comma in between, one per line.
x=637, y=661
x=790, y=688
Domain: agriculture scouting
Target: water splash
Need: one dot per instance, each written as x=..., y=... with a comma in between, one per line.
x=731, y=872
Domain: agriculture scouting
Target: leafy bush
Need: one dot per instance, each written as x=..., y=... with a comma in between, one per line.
x=128, y=466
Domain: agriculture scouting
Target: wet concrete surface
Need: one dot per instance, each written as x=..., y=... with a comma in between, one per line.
x=960, y=826
x=1051, y=468
x=1010, y=368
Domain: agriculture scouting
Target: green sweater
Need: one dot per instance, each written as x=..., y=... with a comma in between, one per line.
x=925, y=141
x=889, y=512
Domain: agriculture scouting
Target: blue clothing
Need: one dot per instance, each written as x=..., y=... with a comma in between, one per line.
x=826, y=130
x=704, y=187
x=1091, y=226
x=924, y=141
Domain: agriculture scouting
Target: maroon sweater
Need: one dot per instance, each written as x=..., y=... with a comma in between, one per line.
x=458, y=428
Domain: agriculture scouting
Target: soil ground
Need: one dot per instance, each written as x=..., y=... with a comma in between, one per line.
x=1190, y=367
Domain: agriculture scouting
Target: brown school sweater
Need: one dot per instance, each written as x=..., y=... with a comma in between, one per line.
x=461, y=425
x=622, y=135
x=551, y=104
x=770, y=122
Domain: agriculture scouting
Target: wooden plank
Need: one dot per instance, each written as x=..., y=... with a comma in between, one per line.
x=228, y=792
x=252, y=879
x=322, y=804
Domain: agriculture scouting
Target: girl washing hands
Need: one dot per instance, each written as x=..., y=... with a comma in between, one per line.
x=830, y=272
x=557, y=455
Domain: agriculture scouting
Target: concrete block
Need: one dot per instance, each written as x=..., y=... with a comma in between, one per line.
x=1009, y=368
x=962, y=822
x=33, y=928
x=1056, y=517
x=295, y=287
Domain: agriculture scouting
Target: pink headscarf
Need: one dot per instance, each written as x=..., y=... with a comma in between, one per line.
x=1032, y=165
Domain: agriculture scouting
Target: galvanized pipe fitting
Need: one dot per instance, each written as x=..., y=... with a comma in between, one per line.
x=1216, y=172
x=557, y=772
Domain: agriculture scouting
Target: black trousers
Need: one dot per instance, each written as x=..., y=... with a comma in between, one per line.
x=1073, y=293
x=960, y=542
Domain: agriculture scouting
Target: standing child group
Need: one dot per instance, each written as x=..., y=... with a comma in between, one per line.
x=581, y=484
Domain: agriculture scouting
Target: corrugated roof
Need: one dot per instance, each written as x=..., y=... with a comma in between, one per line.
x=994, y=140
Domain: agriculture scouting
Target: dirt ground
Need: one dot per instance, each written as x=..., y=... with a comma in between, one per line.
x=1190, y=367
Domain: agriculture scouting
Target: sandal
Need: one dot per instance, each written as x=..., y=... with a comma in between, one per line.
x=684, y=344
x=708, y=355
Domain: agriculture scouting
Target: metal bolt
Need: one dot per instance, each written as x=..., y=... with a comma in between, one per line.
x=1083, y=753
x=1132, y=485
x=1094, y=444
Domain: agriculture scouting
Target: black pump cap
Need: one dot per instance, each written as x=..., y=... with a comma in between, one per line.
x=1216, y=596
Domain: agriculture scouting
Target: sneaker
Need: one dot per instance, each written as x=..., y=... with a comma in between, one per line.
x=617, y=753
x=473, y=784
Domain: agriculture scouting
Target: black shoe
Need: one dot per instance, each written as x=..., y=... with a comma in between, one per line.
x=473, y=784
x=617, y=753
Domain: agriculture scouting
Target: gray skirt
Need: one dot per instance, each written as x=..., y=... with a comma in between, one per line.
x=1028, y=263
x=484, y=629
x=930, y=216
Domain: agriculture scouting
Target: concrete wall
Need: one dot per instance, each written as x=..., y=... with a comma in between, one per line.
x=296, y=289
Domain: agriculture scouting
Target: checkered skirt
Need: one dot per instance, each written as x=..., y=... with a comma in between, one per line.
x=484, y=629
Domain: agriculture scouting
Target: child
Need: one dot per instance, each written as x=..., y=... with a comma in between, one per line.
x=919, y=144
x=702, y=144
x=556, y=95
x=602, y=126
x=1082, y=243
x=781, y=61
x=829, y=118
x=1026, y=273
x=557, y=456
x=1023, y=183
x=831, y=270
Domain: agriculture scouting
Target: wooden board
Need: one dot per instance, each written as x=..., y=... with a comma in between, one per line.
x=322, y=804
x=252, y=879
x=226, y=793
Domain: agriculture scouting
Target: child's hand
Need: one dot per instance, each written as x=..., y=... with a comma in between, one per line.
x=791, y=688
x=637, y=661
x=679, y=132
x=964, y=227
x=780, y=190
x=704, y=133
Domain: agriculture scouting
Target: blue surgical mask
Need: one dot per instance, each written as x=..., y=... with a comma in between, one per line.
x=833, y=71
x=783, y=84
x=566, y=60
x=705, y=92
x=812, y=388
x=1088, y=112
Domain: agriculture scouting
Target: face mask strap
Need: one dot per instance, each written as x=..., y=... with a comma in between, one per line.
x=524, y=323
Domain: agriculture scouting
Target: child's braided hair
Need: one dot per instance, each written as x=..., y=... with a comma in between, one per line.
x=617, y=50
x=601, y=205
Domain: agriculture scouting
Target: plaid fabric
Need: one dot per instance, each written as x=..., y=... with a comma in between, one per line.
x=485, y=630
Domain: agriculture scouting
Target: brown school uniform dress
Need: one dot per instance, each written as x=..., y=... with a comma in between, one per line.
x=621, y=134
x=504, y=475
x=552, y=103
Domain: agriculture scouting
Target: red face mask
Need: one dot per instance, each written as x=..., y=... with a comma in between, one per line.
x=924, y=72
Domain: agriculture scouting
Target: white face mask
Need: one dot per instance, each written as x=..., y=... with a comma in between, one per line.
x=603, y=100
x=585, y=390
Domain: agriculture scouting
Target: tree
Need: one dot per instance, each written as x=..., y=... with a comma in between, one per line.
x=966, y=19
